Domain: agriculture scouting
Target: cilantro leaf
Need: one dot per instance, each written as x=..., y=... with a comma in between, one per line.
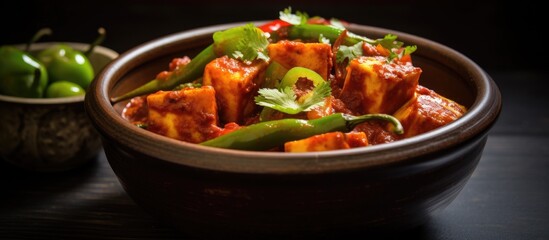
x=389, y=42
x=245, y=42
x=320, y=92
x=409, y=50
x=294, y=19
x=350, y=52
x=285, y=100
x=406, y=51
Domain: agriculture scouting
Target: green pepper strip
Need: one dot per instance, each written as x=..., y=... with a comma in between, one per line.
x=313, y=32
x=270, y=134
x=190, y=72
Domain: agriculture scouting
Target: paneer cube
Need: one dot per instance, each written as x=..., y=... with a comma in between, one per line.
x=327, y=141
x=374, y=86
x=189, y=114
x=426, y=111
x=236, y=85
x=314, y=56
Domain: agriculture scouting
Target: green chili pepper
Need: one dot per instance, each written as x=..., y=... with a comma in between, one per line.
x=291, y=77
x=64, y=89
x=190, y=72
x=65, y=63
x=21, y=74
x=314, y=31
x=267, y=135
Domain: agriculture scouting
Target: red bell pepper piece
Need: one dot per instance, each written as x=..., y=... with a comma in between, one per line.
x=273, y=25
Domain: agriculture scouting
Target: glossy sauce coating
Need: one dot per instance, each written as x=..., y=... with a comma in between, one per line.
x=371, y=85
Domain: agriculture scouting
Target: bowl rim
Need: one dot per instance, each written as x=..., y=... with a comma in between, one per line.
x=478, y=120
x=101, y=50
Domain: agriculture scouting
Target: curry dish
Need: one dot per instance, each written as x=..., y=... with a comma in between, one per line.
x=296, y=84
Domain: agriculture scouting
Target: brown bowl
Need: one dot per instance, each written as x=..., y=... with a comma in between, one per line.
x=50, y=134
x=209, y=192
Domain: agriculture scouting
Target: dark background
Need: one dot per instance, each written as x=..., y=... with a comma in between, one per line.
x=495, y=35
x=507, y=196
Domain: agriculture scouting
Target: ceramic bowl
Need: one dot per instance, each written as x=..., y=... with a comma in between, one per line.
x=50, y=134
x=211, y=192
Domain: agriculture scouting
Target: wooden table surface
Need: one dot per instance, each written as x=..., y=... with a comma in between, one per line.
x=507, y=196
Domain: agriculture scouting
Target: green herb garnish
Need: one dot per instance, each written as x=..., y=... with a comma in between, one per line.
x=407, y=50
x=246, y=42
x=295, y=19
x=285, y=100
x=350, y=52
